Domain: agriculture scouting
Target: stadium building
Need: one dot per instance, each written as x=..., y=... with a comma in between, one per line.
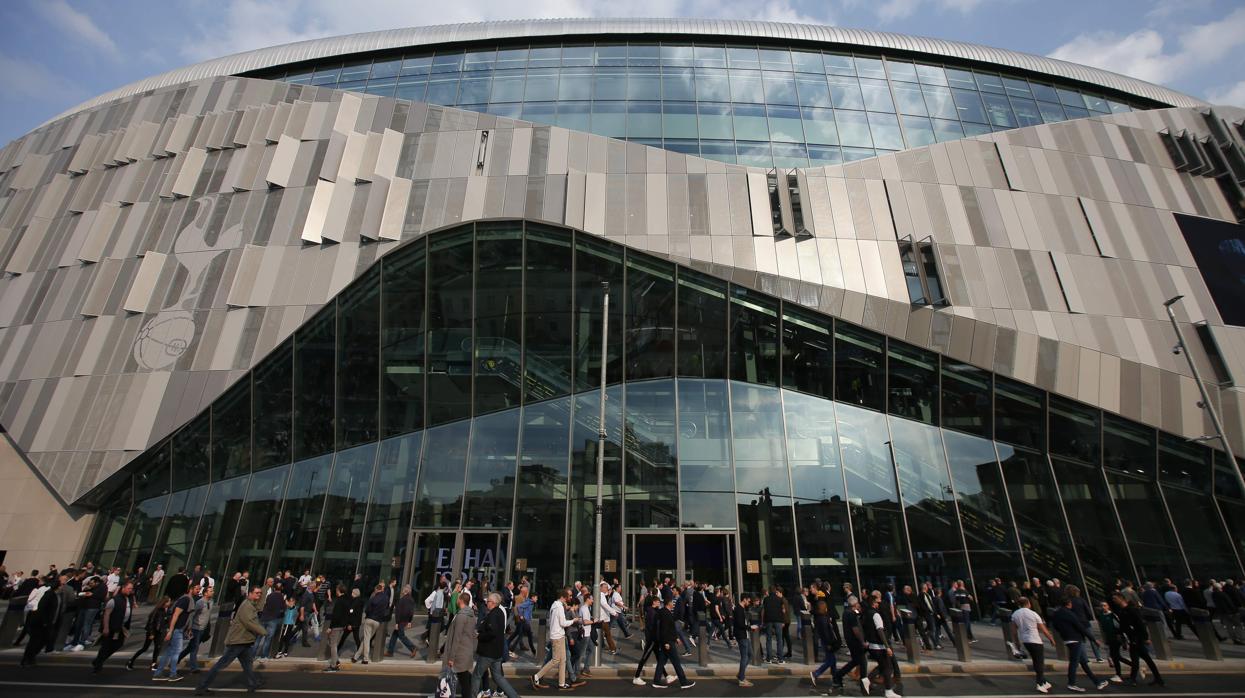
x=882, y=308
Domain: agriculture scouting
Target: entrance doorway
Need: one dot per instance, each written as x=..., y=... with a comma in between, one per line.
x=463, y=555
x=704, y=557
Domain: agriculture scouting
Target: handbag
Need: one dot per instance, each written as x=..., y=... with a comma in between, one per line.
x=447, y=684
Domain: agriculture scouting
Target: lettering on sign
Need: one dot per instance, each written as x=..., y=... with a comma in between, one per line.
x=520, y=563
x=754, y=567
x=611, y=565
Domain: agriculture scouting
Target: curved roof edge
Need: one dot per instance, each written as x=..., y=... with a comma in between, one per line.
x=511, y=29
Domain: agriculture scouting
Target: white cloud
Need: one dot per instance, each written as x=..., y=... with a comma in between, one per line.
x=78, y=24
x=1145, y=53
x=892, y=10
x=21, y=79
x=244, y=25
x=1233, y=95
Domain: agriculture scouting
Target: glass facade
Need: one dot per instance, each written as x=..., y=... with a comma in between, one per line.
x=751, y=105
x=444, y=411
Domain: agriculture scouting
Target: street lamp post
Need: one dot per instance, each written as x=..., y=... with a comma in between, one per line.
x=601, y=435
x=1182, y=348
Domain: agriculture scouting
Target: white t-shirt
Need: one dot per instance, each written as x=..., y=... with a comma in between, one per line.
x=1027, y=622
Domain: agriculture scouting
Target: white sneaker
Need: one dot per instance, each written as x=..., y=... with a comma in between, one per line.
x=864, y=684
x=1116, y=679
x=639, y=681
x=892, y=694
x=1043, y=688
x=1077, y=689
x=1103, y=684
x=671, y=679
x=78, y=648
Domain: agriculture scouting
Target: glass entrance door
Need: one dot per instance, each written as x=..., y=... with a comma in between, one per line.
x=709, y=558
x=460, y=554
x=650, y=556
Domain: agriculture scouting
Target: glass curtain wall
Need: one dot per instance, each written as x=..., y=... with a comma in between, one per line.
x=456, y=387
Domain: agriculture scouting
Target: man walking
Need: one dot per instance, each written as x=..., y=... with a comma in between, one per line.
x=1073, y=629
x=666, y=651
x=489, y=648
x=198, y=626
x=175, y=637
x=375, y=613
x=771, y=619
x=558, y=623
x=41, y=621
x=115, y=626
x=270, y=618
x=650, y=637
x=854, y=638
x=877, y=642
x=239, y=644
x=1029, y=632
x=1134, y=628
x=404, y=613
x=743, y=627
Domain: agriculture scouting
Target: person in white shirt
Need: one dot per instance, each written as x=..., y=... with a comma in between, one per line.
x=114, y=580
x=620, y=618
x=558, y=623
x=1029, y=631
x=606, y=615
x=156, y=578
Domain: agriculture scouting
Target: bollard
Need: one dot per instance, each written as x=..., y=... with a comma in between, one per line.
x=434, y=641
x=541, y=632
x=378, y=640
x=1157, y=627
x=1206, y=633
x=757, y=659
x=912, y=643
x=810, y=647
x=702, y=639
x=962, y=650
x=221, y=629
x=1061, y=650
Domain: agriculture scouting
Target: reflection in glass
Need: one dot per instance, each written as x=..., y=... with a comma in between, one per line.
x=1019, y=414
x=986, y=519
x=929, y=503
x=597, y=261
x=231, y=431
x=1185, y=474
x=807, y=352
x=389, y=512
x=272, y=411
x=1091, y=517
x=341, y=530
x=541, y=493
x=585, y=434
x=403, y=323
x=877, y=520
x=439, y=495
x=859, y=376
x=220, y=521
x=756, y=425
x=702, y=326
x=1035, y=504
x=913, y=382
x=491, y=470
x=706, y=482
x=651, y=455
x=498, y=316
x=965, y=398
x=314, y=346
x=295, y=546
x=548, y=315
x=1074, y=430
x=358, y=367
x=258, y=526
x=650, y=306
x=817, y=482
x=449, y=326
x=754, y=337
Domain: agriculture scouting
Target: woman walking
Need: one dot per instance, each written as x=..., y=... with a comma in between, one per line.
x=155, y=633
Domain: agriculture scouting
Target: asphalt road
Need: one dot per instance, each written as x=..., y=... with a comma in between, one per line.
x=78, y=681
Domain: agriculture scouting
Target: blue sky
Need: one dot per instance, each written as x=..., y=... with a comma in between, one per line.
x=57, y=53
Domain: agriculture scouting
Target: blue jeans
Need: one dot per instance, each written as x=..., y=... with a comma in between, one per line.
x=192, y=651
x=745, y=655
x=773, y=633
x=621, y=621
x=264, y=644
x=494, y=667
x=1076, y=657
x=399, y=635
x=828, y=665
x=85, y=622
x=168, y=656
x=245, y=654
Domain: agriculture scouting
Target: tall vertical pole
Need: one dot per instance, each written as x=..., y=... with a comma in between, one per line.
x=594, y=582
x=1206, y=403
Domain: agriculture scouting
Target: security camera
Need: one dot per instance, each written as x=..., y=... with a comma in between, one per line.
x=1201, y=405
x=1176, y=350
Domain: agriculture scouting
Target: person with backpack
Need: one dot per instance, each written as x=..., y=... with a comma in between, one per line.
x=154, y=633
x=525, y=603
x=199, y=628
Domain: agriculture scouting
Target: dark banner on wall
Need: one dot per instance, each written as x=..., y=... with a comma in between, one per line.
x=1219, y=249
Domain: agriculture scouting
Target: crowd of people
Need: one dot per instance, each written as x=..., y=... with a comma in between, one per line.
x=475, y=629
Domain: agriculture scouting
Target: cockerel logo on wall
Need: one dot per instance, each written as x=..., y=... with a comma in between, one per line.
x=167, y=336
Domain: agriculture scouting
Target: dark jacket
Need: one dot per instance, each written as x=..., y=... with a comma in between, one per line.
x=491, y=631
x=650, y=624
x=340, y=615
x=356, y=610
x=405, y=610
x=274, y=607
x=48, y=612
x=378, y=607
x=1133, y=626
x=1069, y=624
x=741, y=623
x=771, y=609
x=666, y=633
